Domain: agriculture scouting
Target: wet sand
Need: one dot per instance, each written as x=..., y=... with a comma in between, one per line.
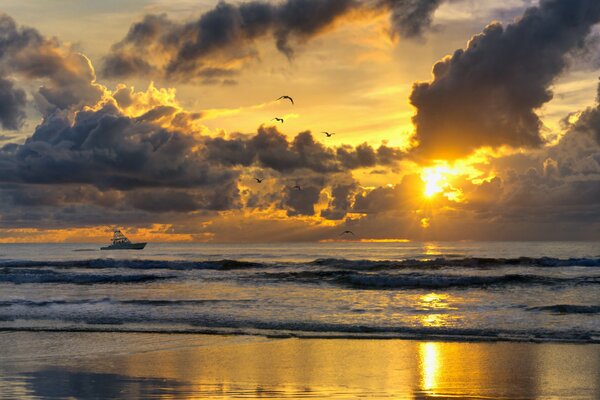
x=116, y=365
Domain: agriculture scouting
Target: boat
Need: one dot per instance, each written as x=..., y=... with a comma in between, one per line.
x=120, y=242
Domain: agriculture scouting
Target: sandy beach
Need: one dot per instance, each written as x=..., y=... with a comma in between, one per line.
x=117, y=365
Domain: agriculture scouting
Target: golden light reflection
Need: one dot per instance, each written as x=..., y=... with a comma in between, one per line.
x=431, y=249
x=429, y=363
x=438, y=305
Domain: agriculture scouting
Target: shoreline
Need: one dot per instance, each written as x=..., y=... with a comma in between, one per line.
x=447, y=338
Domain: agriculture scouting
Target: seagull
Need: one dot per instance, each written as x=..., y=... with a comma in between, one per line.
x=297, y=187
x=259, y=180
x=347, y=233
x=278, y=119
x=286, y=97
x=328, y=134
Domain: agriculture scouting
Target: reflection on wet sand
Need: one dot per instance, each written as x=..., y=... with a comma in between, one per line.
x=429, y=365
x=201, y=367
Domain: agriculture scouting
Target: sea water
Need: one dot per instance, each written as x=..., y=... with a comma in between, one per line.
x=499, y=291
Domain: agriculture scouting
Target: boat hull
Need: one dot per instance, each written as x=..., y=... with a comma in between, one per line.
x=125, y=246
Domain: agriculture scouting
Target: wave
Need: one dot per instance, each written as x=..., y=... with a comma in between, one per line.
x=412, y=281
x=358, y=280
x=473, y=262
x=107, y=263
x=332, y=263
x=22, y=276
x=567, y=309
x=140, y=302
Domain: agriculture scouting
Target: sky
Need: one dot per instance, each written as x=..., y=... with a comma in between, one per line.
x=452, y=120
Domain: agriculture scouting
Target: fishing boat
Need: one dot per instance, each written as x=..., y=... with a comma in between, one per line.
x=120, y=242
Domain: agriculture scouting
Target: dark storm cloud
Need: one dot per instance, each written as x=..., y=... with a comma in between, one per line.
x=487, y=94
x=108, y=150
x=342, y=194
x=227, y=33
x=271, y=149
x=302, y=201
x=219, y=198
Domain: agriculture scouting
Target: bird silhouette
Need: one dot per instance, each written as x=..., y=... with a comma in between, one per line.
x=259, y=180
x=297, y=187
x=328, y=134
x=287, y=98
x=347, y=233
x=278, y=119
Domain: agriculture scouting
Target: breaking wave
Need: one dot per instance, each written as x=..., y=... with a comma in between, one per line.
x=140, y=302
x=567, y=309
x=29, y=275
x=334, y=263
x=370, y=280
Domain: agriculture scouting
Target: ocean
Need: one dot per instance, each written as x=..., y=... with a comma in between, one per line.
x=462, y=291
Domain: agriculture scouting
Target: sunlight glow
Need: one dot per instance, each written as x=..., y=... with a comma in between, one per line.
x=434, y=181
x=438, y=179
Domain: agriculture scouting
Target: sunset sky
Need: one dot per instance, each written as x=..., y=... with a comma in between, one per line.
x=453, y=120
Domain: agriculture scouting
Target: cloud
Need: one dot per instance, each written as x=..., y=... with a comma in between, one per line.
x=550, y=193
x=68, y=77
x=269, y=148
x=589, y=121
x=12, y=103
x=342, y=198
x=222, y=38
x=107, y=149
x=410, y=18
x=141, y=151
x=487, y=94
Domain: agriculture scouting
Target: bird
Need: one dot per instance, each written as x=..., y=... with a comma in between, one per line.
x=347, y=233
x=278, y=119
x=286, y=97
x=328, y=134
x=297, y=187
x=259, y=180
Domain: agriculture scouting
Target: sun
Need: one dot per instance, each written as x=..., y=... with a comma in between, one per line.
x=435, y=180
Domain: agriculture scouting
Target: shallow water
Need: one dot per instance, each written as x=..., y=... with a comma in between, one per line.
x=159, y=366
x=452, y=291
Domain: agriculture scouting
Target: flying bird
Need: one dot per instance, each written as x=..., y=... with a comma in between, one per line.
x=286, y=97
x=328, y=134
x=297, y=187
x=259, y=180
x=347, y=233
x=278, y=119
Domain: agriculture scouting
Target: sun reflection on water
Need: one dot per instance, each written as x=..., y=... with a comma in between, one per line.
x=431, y=249
x=439, y=307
